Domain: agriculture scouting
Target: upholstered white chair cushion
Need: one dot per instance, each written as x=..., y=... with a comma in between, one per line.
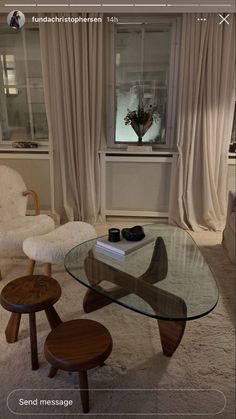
x=52, y=247
x=12, y=202
x=15, y=231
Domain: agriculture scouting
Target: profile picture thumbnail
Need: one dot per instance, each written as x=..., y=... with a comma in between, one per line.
x=16, y=19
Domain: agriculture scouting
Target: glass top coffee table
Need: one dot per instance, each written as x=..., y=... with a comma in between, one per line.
x=167, y=279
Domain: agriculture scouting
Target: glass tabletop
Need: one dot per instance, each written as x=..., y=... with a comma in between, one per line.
x=167, y=278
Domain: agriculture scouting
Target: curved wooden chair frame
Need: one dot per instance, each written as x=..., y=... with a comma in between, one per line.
x=35, y=197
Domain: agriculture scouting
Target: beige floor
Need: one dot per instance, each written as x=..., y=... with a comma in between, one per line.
x=204, y=360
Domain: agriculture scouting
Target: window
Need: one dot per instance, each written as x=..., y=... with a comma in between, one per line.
x=233, y=137
x=144, y=66
x=9, y=74
x=22, y=109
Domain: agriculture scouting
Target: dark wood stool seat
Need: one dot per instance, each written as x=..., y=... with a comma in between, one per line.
x=30, y=294
x=78, y=345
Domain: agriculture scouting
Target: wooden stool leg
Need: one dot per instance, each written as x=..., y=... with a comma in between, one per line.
x=84, y=392
x=30, y=268
x=12, y=328
x=52, y=372
x=48, y=269
x=33, y=342
x=52, y=316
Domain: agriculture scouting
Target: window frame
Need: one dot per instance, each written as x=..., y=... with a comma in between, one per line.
x=175, y=22
x=27, y=85
x=5, y=70
x=233, y=134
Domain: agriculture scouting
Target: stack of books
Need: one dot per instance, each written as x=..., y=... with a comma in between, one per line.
x=122, y=248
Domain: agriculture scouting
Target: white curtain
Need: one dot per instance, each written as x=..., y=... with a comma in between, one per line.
x=73, y=73
x=204, y=122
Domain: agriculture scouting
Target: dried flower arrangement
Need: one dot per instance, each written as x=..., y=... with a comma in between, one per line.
x=141, y=119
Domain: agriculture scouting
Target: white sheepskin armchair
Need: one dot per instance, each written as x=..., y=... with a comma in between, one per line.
x=15, y=226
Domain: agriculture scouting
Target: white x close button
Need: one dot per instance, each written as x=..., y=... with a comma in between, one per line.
x=224, y=19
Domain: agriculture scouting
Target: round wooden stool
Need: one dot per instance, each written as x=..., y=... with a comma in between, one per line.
x=30, y=294
x=78, y=345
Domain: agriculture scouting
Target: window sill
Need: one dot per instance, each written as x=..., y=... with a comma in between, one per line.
x=141, y=151
x=7, y=148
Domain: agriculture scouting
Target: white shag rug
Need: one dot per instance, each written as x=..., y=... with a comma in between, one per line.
x=198, y=380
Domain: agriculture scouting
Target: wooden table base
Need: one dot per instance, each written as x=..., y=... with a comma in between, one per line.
x=160, y=300
x=171, y=332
